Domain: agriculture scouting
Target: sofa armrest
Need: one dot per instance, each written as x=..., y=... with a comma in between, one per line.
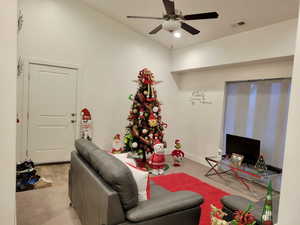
x=169, y=203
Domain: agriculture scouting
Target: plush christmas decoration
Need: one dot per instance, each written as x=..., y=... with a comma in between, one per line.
x=266, y=217
x=86, y=127
x=145, y=125
x=157, y=159
x=117, y=144
x=177, y=154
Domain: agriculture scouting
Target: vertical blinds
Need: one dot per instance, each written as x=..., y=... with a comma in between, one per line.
x=259, y=109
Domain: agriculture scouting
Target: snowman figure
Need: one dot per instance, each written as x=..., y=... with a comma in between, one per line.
x=157, y=159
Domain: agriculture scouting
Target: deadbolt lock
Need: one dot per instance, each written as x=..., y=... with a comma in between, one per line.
x=73, y=121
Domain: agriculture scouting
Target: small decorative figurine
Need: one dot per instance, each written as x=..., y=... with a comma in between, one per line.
x=177, y=154
x=157, y=159
x=261, y=165
x=117, y=144
x=86, y=128
x=217, y=215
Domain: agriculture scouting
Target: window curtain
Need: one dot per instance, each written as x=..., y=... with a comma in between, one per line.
x=258, y=110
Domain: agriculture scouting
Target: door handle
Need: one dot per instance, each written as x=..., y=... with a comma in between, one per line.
x=73, y=121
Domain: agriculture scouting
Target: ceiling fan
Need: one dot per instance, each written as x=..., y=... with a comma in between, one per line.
x=174, y=19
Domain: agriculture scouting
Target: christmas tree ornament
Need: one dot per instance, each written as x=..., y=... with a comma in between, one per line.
x=141, y=97
x=86, y=126
x=144, y=131
x=157, y=160
x=177, y=154
x=152, y=120
x=261, y=165
x=155, y=109
x=117, y=144
x=145, y=92
x=131, y=97
x=267, y=217
x=134, y=111
x=134, y=145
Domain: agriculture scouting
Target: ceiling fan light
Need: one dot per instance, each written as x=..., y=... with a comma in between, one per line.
x=177, y=34
x=171, y=25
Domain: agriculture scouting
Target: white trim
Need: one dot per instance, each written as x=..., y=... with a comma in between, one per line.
x=195, y=158
x=25, y=99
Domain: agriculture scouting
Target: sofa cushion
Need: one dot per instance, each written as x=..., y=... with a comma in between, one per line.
x=171, y=202
x=85, y=147
x=117, y=175
x=157, y=191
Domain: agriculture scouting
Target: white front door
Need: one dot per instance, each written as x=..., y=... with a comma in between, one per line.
x=52, y=113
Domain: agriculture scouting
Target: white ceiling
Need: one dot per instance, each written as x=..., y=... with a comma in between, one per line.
x=256, y=13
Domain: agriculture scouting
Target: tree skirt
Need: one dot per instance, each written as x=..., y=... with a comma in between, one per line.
x=184, y=182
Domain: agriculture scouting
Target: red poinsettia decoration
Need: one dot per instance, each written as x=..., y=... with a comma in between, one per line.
x=244, y=217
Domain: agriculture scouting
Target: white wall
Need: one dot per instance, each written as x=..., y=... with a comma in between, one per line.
x=201, y=125
x=277, y=40
x=110, y=56
x=8, y=63
x=290, y=194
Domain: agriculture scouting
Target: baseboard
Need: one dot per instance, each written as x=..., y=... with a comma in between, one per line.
x=195, y=158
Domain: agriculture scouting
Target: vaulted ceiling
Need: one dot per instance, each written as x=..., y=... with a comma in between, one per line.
x=256, y=13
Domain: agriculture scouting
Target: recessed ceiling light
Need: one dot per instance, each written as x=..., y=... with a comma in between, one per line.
x=177, y=34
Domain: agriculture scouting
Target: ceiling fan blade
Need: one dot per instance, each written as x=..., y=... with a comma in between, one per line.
x=170, y=7
x=156, y=29
x=189, y=29
x=202, y=16
x=145, y=17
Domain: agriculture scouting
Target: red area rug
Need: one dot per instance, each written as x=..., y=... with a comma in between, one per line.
x=184, y=182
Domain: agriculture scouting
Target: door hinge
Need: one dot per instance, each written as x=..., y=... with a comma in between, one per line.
x=20, y=67
x=27, y=115
x=20, y=20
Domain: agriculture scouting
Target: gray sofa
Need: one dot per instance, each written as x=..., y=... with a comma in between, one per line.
x=103, y=191
x=232, y=203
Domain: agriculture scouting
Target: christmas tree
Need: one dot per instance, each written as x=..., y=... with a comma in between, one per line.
x=145, y=124
x=266, y=217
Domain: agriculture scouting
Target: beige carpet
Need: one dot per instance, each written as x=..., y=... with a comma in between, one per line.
x=50, y=206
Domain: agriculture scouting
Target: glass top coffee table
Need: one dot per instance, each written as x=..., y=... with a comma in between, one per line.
x=244, y=174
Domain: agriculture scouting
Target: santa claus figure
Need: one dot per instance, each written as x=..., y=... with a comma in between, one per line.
x=157, y=159
x=177, y=154
x=117, y=144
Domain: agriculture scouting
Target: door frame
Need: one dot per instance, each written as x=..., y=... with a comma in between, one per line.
x=23, y=142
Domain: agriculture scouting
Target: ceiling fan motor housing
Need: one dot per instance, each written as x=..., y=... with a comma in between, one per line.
x=171, y=25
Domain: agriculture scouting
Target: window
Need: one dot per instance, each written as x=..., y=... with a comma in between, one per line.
x=259, y=109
